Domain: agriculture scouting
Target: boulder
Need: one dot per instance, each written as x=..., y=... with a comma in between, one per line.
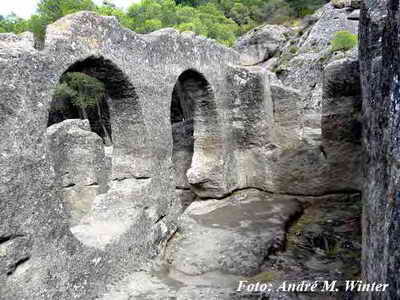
x=233, y=235
x=79, y=164
x=322, y=32
x=303, y=59
x=77, y=152
x=261, y=43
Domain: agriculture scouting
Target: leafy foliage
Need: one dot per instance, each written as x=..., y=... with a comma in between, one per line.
x=344, y=40
x=222, y=20
x=12, y=23
x=87, y=94
x=82, y=90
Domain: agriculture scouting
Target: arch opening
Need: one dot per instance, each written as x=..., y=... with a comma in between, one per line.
x=82, y=77
x=84, y=151
x=191, y=107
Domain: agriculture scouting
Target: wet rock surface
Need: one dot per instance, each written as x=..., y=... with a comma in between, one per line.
x=233, y=235
x=323, y=242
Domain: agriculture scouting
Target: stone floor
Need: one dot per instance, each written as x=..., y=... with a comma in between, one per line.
x=255, y=236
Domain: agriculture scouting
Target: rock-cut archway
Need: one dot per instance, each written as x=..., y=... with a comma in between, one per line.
x=87, y=153
x=192, y=110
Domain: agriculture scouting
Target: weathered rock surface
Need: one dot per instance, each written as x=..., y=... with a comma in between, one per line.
x=233, y=235
x=79, y=165
x=187, y=124
x=182, y=134
x=261, y=43
x=341, y=120
x=128, y=224
x=307, y=152
x=323, y=243
x=379, y=65
x=287, y=107
x=304, y=58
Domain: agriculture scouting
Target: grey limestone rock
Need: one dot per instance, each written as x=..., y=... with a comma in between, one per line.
x=379, y=69
x=64, y=262
x=303, y=69
x=341, y=119
x=233, y=235
x=187, y=122
x=261, y=43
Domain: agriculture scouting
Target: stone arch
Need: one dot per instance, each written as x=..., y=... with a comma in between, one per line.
x=193, y=121
x=116, y=84
x=84, y=166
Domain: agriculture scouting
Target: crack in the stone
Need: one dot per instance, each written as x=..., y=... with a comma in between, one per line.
x=126, y=178
x=160, y=219
x=182, y=188
x=330, y=193
x=6, y=238
x=17, y=264
x=70, y=185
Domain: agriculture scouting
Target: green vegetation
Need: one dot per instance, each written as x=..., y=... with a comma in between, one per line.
x=86, y=93
x=222, y=20
x=82, y=90
x=343, y=41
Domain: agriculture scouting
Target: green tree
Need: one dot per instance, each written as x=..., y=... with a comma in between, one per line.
x=239, y=13
x=52, y=10
x=277, y=11
x=13, y=23
x=109, y=9
x=302, y=8
x=84, y=92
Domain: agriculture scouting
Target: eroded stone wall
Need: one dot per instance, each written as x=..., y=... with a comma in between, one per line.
x=379, y=62
x=44, y=255
x=245, y=127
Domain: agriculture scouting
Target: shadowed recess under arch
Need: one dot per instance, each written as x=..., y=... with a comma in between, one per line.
x=192, y=107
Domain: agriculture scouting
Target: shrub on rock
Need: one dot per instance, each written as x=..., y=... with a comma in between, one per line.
x=343, y=41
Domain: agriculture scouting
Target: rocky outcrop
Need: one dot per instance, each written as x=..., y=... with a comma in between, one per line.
x=185, y=125
x=305, y=56
x=379, y=62
x=315, y=120
x=261, y=43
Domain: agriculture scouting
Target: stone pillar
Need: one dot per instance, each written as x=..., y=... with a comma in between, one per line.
x=79, y=165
